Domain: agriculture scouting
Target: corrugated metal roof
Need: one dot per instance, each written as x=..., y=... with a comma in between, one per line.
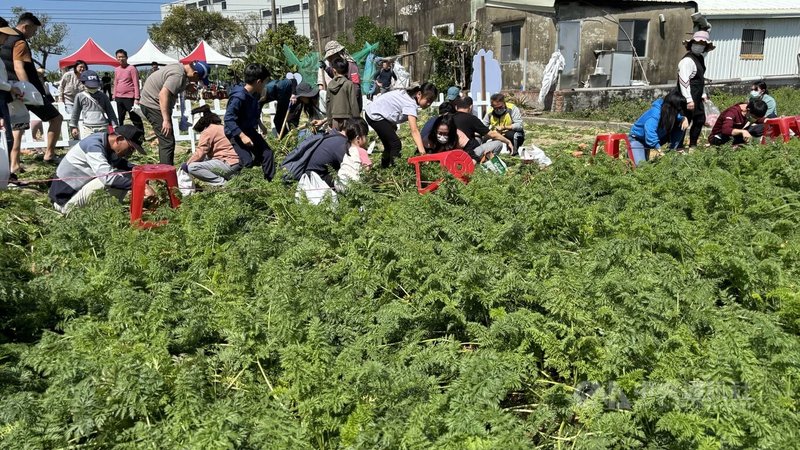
x=751, y=8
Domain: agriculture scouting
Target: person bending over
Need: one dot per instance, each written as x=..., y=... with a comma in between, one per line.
x=661, y=123
x=732, y=123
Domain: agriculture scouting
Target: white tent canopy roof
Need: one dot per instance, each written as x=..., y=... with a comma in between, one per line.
x=150, y=53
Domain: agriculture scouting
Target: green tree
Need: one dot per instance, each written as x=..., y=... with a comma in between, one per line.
x=49, y=40
x=365, y=30
x=269, y=50
x=183, y=28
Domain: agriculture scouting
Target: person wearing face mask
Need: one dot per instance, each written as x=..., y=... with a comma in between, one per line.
x=691, y=82
x=393, y=108
x=70, y=85
x=733, y=123
x=505, y=118
x=759, y=92
x=93, y=107
x=444, y=136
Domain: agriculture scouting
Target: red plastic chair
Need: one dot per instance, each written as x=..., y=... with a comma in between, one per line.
x=457, y=162
x=610, y=143
x=780, y=126
x=141, y=175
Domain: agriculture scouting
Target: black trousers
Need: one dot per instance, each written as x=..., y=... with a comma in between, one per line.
x=125, y=105
x=258, y=154
x=698, y=118
x=392, y=145
x=166, y=142
x=517, y=138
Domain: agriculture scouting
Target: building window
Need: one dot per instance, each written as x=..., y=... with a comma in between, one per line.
x=445, y=30
x=224, y=5
x=266, y=13
x=752, y=44
x=291, y=22
x=635, y=32
x=509, y=42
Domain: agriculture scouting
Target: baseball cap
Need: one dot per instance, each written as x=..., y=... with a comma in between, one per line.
x=202, y=69
x=90, y=79
x=134, y=135
x=452, y=93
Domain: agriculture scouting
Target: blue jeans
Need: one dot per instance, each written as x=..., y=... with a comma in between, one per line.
x=642, y=153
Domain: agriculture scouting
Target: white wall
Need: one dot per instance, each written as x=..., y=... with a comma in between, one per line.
x=781, y=46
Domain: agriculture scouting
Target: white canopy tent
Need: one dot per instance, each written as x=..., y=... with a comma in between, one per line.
x=149, y=53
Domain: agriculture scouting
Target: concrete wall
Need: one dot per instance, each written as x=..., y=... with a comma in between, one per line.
x=416, y=17
x=600, y=30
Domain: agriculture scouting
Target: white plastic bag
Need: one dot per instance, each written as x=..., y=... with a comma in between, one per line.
x=534, y=154
x=4, y=169
x=185, y=183
x=30, y=96
x=712, y=113
x=314, y=188
x=18, y=112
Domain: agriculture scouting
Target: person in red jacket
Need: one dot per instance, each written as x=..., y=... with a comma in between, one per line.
x=732, y=123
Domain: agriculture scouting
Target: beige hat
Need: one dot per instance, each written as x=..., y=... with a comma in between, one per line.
x=332, y=48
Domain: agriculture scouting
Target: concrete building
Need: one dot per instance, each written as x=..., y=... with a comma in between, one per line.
x=294, y=12
x=632, y=41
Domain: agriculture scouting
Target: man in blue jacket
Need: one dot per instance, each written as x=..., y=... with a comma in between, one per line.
x=242, y=119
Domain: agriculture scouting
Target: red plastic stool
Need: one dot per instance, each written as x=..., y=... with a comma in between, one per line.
x=457, y=162
x=141, y=175
x=779, y=126
x=610, y=143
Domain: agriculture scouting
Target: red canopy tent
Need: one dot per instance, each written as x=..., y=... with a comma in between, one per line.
x=204, y=52
x=91, y=53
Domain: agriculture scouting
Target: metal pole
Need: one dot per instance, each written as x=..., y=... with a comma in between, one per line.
x=302, y=19
x=525, y=69
x=274, y=16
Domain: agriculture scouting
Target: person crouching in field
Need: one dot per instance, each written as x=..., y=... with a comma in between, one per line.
x=396, y=107
x=242, y=119
x=92, y=106
x=732, y=123
x=505, y=118
x=92, y=164
x=215, y=161
x=662, y=122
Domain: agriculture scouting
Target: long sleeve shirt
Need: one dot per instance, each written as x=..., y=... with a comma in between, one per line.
x=70, y=86
x=731, y=119
x=516, y=118
x=687, y=69
x=243, y=113
x=126, y=83
x=88, y=159
x=214, y=145
x=95, y=109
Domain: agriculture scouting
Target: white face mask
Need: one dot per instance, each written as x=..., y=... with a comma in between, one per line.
x=441, y=139
x=698, y=49
x=755, y=94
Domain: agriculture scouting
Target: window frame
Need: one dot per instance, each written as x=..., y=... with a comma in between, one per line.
x=622, y=38
x=509, y=28
x=752, y=43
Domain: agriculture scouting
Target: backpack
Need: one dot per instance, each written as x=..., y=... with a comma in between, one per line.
x=296, y=161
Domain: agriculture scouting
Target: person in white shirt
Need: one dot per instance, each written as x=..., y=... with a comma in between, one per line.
x=396, y=107
x=691, y=82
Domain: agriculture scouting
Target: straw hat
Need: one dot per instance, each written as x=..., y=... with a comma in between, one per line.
x=701, y=37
